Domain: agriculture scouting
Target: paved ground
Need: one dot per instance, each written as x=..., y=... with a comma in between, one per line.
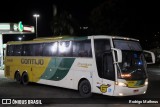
x=11, y=89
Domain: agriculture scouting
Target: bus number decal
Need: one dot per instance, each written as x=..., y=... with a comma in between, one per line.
x=103, y=88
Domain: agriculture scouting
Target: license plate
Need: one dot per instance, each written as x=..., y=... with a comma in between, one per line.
x=135, y=91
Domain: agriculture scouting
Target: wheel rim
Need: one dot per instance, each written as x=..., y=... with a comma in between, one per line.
x=17, y=77
x=85, y=89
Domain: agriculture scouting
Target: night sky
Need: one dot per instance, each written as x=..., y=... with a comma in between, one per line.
x=143, y=15
x=15, y=11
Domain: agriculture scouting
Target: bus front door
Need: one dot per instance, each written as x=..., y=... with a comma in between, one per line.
x=107, y=87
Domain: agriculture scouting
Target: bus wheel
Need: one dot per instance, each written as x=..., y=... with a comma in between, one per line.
x=85, y=89
x=18, y=77
x=25, y=78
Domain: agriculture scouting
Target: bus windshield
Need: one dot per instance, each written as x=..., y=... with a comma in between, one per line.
x=133, y=66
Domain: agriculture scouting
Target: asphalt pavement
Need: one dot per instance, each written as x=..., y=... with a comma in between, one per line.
x=9, y=89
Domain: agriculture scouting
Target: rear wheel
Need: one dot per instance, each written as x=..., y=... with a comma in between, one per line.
x=85, y=89
x=25, y=78
x=18, y=77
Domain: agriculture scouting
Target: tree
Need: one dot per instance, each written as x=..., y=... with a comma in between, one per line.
x=109, y=18
x=120, y=17
x=63, y=23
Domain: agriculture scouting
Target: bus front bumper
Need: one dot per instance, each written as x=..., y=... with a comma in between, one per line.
x=127, y=91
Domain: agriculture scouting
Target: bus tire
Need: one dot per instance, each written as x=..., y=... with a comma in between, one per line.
x=85, y=89
x=18, y=77
x=25, y=78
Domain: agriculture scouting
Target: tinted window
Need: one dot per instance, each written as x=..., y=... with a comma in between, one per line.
x=37, y=49
x=65, y=48
x=10, y=50
x=17, y=50
x=32, y=49
x=127, y=45
x=101, y=46
x=50, y=49
x=82, y=48
x=60, y=49
x=27, y=50
x=108, y=67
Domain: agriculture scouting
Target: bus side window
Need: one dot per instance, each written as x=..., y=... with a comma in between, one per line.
x=37, y=49
x=82, y=48
x=10, y=50
x=17, y=50
x=50, y=49
x=54, y=48
x=65, y=48
x=26, y=50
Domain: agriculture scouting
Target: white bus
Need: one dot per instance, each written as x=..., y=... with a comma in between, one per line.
x=107, y=65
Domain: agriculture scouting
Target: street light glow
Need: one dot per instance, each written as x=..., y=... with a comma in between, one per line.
x=36, y=16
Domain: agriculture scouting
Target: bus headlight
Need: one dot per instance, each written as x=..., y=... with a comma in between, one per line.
x=146, y=82
x=121, y=84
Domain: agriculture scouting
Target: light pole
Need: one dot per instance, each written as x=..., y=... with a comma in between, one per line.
x=36, y=16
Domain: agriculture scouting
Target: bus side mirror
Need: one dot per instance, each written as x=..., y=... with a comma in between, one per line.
x=118, y=55
x=149, y=56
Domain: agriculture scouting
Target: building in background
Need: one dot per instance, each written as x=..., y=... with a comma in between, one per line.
x=12, y=28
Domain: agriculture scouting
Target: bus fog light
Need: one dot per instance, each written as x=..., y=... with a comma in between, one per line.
x=144, y=92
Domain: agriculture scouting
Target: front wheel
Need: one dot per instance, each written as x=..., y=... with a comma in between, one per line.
x=85, y=89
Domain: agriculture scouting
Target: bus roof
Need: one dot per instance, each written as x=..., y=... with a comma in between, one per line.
x=49, y=39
